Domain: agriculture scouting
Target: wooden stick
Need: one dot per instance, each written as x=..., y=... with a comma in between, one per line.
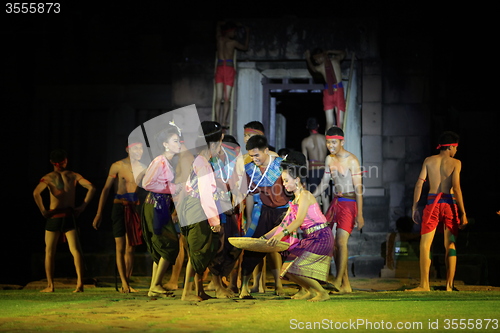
x=344, y=127
x=231, y=106
x=215, y=90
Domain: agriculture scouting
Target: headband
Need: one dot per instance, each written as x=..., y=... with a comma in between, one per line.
x=253, y=130
x=330, y=137
x=228, y=146
x=134, y=144
x=228, y=30
x=447, y=145
x=58, y=164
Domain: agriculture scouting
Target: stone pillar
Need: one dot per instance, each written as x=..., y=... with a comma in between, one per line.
x=249, y=97
x=365, y=248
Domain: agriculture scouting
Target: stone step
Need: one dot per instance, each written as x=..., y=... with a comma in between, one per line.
x=365, y=266
x=366, y=243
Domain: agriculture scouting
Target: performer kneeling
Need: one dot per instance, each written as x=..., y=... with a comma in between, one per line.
x=309, y=258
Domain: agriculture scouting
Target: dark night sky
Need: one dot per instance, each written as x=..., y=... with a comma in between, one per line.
x=460, y=40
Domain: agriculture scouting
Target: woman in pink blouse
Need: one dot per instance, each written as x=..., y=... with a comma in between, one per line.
x=308, y=259
x=198, y=213
x=158, y=228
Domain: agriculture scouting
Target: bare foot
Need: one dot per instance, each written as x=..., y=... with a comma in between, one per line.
x=419, y=288
x=129, y=289
x=280, y=292
x=245, y=294
x=299, y=294
x=345, y=290
x=79, y=289
x=164, y=295
x=334, y=287
x=158, y=289
x=306, y=295
x=224, y=293
x=320, y=297
x=171, y=286
x=47, y=290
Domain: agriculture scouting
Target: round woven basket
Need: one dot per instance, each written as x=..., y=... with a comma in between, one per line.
x=257, y=244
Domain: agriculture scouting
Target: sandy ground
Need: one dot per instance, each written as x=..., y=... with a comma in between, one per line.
x=101, y=307
x=358, y=284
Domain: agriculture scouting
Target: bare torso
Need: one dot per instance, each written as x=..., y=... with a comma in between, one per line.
x=62, y=185
x=125, y=182
x=341, y=174
x=336, y=68
x=440, y=171
x=315, y=147
x=225, y=49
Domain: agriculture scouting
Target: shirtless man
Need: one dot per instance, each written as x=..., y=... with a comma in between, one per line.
x=126, y=222
x=346, y=208
x=225, y=73
x=61, y=214
x=445, y=196
x=314, y=149
x=328, y=65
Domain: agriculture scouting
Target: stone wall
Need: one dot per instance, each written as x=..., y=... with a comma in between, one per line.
x=394, y=99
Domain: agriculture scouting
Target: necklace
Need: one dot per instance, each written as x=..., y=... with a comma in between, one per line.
x=261, y=178
x=221, y=168
x=296, y=199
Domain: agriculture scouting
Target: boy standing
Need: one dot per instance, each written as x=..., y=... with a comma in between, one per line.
x=346, y=208
x=61, y=214
x=126, y=222
x=443, y=200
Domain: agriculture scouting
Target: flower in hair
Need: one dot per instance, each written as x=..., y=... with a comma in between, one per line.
x=172, y=123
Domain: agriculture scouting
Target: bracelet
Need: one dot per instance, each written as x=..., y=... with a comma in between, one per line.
x=178, y=188
x=286, y=232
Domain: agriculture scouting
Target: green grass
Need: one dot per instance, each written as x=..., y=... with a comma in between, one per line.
x=102, y=309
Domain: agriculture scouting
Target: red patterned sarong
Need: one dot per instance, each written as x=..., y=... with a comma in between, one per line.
x=441, y=210
x=132, y=221
x=225, y=74
x=342, y=211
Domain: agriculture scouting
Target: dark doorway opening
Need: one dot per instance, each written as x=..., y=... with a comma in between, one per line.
x=297, y=107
